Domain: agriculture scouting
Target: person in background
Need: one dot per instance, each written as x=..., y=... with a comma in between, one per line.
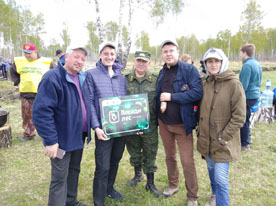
x=186, y=58
x=180, y=88
x=27, y=72
x=60, y=56
x=251, y=78
x=142, y=148
x=274, y=102
x=222, y=114
x=106, y=80
x=61, y=114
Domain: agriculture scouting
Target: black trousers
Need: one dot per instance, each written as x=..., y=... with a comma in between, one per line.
x=65, y=179
x=107, y=156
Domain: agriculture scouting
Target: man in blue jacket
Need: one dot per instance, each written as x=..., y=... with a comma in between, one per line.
x=106, y=80
x=179, y=89
x=251, y=78
x=61, y=115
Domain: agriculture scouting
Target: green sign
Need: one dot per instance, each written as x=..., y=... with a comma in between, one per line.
x=125, y=115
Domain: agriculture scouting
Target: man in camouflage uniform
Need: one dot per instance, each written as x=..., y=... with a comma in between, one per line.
x=143, y=147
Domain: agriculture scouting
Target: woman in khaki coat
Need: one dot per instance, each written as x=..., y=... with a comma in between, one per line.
x=222, y=114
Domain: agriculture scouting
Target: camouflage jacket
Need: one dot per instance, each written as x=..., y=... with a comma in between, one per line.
x=147, y=84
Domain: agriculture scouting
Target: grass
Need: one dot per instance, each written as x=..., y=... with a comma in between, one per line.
x=25, y=171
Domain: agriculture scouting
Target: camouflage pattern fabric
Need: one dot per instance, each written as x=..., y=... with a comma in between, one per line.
x=28, y=125
x=143, y=148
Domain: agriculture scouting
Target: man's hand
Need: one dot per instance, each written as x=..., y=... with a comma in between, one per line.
x=165, y=97
x=101, y=135
x=51, y=151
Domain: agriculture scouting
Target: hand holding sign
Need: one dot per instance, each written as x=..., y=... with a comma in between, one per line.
x=100, y=134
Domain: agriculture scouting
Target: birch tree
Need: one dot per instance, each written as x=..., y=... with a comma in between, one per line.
x=157, y=9
x=252, y=17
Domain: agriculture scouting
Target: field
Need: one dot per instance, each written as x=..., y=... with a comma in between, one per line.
x=25, y=171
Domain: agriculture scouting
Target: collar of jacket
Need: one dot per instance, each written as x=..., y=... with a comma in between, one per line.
x=103, y=68
x=227, y=75
x=81, y=75
x=249, y=58
x=132, y=76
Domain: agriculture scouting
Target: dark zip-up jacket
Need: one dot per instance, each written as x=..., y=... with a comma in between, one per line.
x=57, y=112
x=101, y=85
x=188, y=91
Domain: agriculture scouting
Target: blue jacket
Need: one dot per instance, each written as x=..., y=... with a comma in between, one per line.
x=102, y=86
x=186, y=74
x=57, y=113
x=251, y=78
x=62, y=59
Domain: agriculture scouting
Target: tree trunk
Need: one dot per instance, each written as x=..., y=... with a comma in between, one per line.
x=98, y=22
x=129, y=42
x=5, y=136
x=120, y=32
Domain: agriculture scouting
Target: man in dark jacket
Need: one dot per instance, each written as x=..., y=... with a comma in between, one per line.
x=106, y=80
x=179, y=88
x=61, y=56
x=61, y=114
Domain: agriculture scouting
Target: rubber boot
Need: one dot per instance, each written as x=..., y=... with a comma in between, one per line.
x=137, y=178
x=150, y=185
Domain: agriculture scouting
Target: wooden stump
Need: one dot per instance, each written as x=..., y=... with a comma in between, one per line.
x=5, y=136
x=266, y=114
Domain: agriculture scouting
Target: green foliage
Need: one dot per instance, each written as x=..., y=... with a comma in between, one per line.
x=65, y=36
x=19, y=26
x=252, y=17
x=94, y=41
x=125, y=36
x=111, y=30
x=142, y=41
x=160, y=8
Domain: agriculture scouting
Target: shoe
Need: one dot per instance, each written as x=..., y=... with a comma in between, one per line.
x=113, y=194
x=138, y=177
x=211, y=201
x=151, y=187
x=245, y=148
x=25, y=139
x=76, y=203
x=170, y=191
x=192, y=203
x=81, y=204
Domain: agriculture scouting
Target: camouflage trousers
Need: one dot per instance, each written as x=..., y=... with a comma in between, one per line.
x=143, y=150
x=28, y=125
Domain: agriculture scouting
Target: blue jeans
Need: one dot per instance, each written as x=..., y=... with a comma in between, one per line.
x=245, y=130
x=218, y=174
x=107, y=157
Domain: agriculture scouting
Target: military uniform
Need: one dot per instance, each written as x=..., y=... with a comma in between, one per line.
x=143, y=148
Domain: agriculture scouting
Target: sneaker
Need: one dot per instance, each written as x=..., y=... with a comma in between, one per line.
x=113, y=194
x=211, y=201
x=245, y=148
x=192, y=203
x=170, y=191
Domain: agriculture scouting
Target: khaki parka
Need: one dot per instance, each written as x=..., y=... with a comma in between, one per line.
x=222, y=114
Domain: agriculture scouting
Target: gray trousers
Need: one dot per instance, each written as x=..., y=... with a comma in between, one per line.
x=65, y=179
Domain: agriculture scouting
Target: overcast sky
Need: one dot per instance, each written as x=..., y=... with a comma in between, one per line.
x=204, y=18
